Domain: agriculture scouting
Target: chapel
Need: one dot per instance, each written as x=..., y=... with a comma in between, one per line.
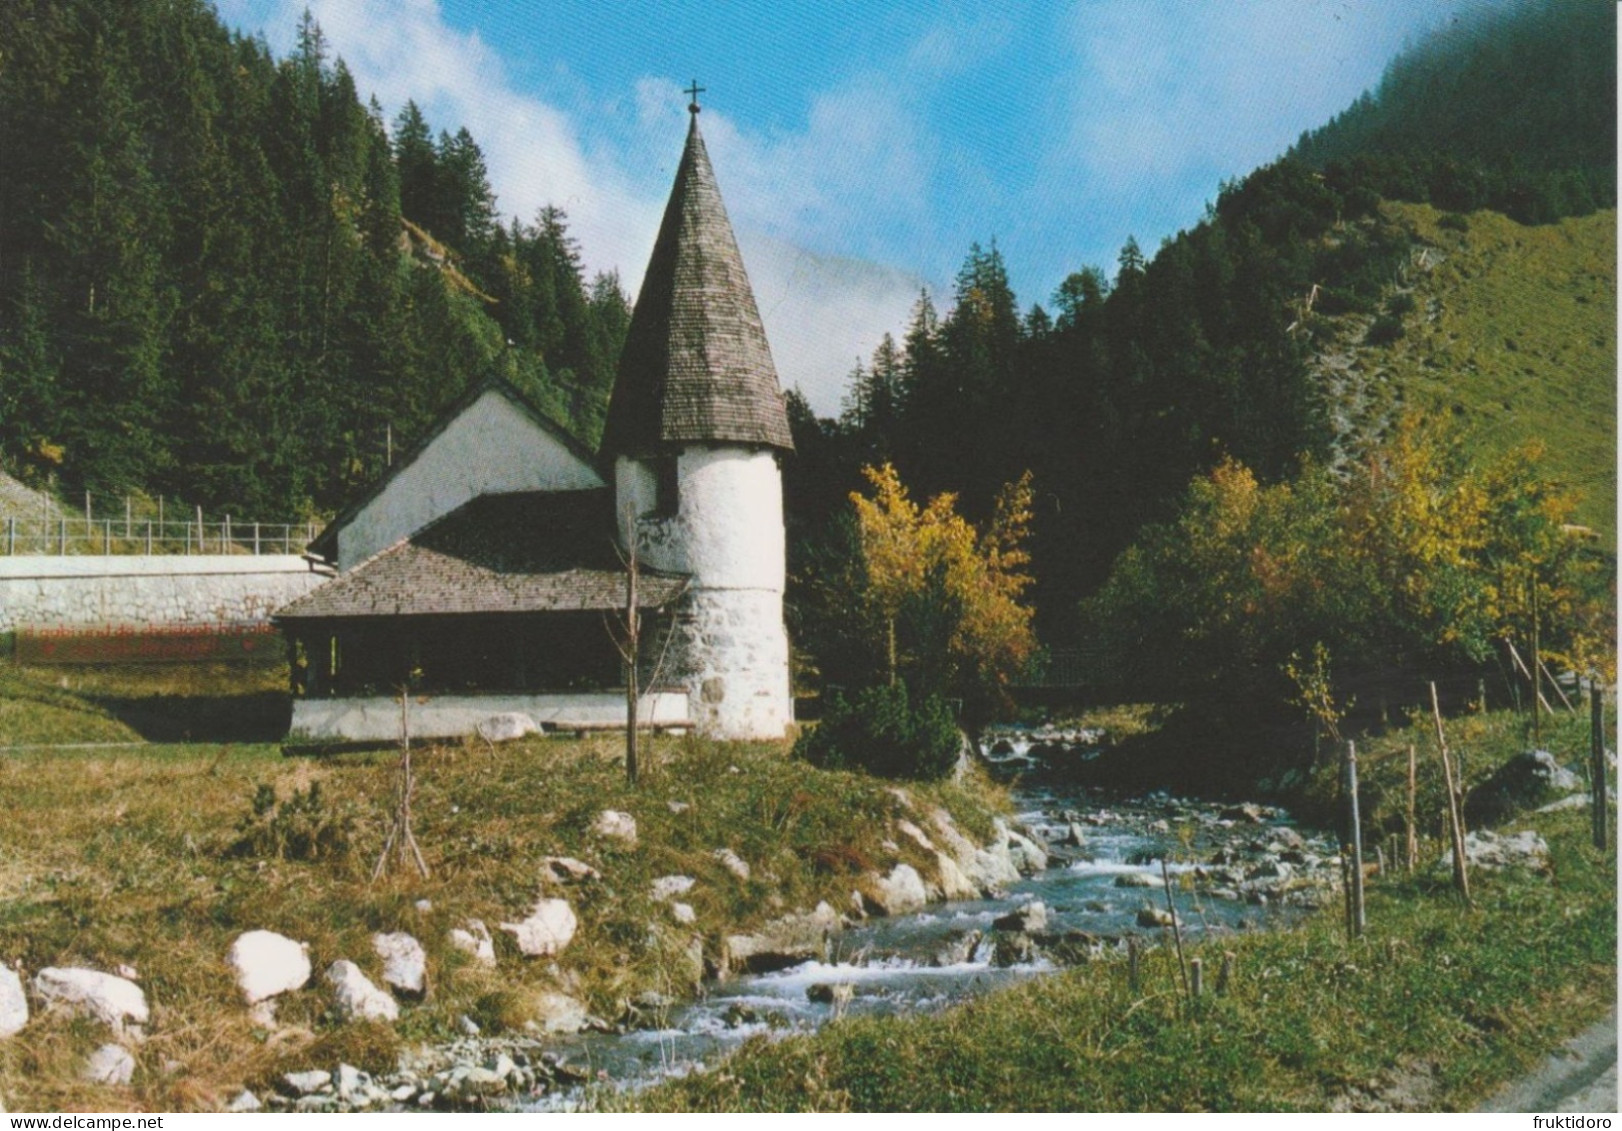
x=486, y=570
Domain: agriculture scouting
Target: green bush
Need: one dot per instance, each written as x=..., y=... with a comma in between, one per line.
x=883, y=732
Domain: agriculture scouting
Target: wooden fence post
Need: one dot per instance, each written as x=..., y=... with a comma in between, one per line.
x=1455, y=811
x=1225, y=975
x=1357, y=918
x=1132, y=964
x=1196, y=978
x=1413, y=830
x=1176, y=927
x=1596, y=699
x=1537, y=674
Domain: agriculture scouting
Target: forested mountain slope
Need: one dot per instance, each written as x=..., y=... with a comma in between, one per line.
x=1510, y=107
x=222, y=278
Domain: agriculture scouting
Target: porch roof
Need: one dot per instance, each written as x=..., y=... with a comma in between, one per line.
x=529, y=552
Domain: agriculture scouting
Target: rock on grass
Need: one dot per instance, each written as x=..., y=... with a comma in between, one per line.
x=268, y=964
x=357, y=998
x=115, y=1001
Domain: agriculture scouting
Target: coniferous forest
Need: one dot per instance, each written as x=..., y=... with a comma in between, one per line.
x=224, y=276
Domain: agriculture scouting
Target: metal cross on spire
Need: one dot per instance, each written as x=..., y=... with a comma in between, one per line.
x=693, y=92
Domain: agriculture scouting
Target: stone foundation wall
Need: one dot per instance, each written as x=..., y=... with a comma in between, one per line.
x=377, y=719
x=730, y=650
x=148, y=592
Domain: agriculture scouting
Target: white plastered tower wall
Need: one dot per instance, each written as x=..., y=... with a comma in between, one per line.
x=728, y=647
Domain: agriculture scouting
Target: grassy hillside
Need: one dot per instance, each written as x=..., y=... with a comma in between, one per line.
x=1519, y=342
x=159, y=855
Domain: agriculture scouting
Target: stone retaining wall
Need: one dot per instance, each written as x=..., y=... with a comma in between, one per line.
x=148, y=592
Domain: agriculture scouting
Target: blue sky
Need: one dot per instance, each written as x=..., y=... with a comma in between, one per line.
x=863, y=145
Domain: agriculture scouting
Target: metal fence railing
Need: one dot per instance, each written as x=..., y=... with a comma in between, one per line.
x=69, y=534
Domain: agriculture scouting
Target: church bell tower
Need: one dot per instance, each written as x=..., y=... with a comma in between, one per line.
x=695, y=429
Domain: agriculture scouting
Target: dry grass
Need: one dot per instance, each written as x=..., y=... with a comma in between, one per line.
x=152, y=857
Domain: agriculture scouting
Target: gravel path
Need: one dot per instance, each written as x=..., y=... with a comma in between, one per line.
x=1581, y=1077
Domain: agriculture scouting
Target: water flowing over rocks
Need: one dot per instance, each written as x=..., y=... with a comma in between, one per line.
x=783, y=942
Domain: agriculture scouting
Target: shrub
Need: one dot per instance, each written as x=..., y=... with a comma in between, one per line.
x=304, y=827
x=883, y=732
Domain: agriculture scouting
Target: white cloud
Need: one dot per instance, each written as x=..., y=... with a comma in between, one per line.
x=823, y=313
x=784, y=193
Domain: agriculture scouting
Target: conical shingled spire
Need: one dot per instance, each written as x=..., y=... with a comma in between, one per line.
x=696, y=366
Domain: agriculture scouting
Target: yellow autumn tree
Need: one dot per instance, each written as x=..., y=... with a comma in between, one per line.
x=948, y=595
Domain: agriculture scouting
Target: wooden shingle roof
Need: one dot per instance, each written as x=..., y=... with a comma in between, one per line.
x=528, y=552
x=696, y=367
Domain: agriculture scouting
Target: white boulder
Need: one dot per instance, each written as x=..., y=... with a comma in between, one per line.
x=405, y=966
x=953, y=882
x=733, y=863
x=110, y=1064
x=473, y=938
x=1491, y=852
x=900, y=892
x=568, y=870
x=616, y=824
x=1028, y=856
x=13, y=1002
x=668, y=887
x=117, y=1002
x=268, y=964
x=357, y=998
x=547, y=930
x=506, y=726
x=558, y=1013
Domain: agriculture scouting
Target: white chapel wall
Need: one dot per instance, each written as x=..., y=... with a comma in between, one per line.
x=493, y=447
